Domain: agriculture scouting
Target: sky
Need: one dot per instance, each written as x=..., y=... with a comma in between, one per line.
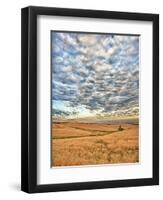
x=94, y=75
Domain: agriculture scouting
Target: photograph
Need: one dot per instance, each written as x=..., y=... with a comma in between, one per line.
x=89, y=98
x=94, y=98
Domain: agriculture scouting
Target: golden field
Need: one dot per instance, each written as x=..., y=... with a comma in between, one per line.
x=89, y=143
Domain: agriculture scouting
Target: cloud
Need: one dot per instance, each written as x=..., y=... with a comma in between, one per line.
x=87, y=40
x=96, y=72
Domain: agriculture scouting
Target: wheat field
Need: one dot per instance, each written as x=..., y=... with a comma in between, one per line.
x=76, y=144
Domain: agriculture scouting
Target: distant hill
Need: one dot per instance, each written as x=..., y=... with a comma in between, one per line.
x=106, y=120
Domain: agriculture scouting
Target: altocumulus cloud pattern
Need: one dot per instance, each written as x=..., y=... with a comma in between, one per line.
x=94, y=74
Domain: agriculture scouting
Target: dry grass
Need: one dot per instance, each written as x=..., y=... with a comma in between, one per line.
x=88, y=144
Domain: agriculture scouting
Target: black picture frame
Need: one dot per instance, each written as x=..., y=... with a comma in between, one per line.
x=29, y=99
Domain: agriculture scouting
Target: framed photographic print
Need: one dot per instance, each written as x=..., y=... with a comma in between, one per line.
x=90, y=99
